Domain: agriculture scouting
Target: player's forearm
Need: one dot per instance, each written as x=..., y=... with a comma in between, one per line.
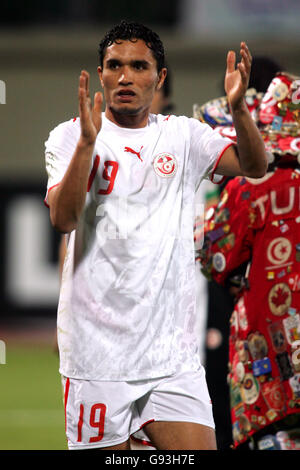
x=69, y=198
x=251, y=149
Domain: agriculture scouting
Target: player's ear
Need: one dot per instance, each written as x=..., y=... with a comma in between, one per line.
x=161, y=78
x=100, y=73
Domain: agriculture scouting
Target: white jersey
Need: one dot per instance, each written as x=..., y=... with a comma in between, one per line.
x=127, y=302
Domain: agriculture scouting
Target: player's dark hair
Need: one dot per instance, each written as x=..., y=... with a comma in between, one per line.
x=132, y=32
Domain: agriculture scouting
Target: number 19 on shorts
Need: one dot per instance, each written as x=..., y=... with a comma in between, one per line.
x=96, y=420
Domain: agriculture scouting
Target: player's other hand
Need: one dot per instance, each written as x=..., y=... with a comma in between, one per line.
x=90, y=113
x=237, y=78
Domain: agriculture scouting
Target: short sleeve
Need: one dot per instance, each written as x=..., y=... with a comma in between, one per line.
x=206, y=149
x=59, y=149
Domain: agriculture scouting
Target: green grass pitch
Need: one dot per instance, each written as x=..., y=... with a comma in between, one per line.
x=31, y=399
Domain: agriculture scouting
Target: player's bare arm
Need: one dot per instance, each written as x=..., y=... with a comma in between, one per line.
x=249, y=159
x=67, y=200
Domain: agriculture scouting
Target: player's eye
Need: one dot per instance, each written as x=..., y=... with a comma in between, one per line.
x=113, y=64
x=140, y=65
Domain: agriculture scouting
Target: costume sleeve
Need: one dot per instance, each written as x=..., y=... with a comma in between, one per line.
x=228, y=232
x=59, y=149
x=206, y=149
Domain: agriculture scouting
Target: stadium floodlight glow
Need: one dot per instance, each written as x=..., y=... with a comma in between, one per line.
x=2, y=352
x=2, y=92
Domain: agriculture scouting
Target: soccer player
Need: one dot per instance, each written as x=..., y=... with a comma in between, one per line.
x=121, y=185
x=161, y=104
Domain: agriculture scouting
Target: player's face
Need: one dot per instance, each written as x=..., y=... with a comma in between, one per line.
x=129, y=78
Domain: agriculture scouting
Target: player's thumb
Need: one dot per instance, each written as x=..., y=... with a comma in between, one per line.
x=230, y=61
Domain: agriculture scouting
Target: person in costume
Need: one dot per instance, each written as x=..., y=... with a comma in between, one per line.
x=252, y=246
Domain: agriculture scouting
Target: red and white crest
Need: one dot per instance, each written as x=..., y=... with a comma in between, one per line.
x=165, y=165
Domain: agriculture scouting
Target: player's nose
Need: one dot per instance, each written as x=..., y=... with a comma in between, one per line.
x=125, y=76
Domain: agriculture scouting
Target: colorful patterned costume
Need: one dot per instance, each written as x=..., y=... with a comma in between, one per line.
x=252, y=239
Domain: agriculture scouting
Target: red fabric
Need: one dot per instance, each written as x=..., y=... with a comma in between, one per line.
x=262, y=226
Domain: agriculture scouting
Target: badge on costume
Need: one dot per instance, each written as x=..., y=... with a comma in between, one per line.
x=280, y=299
x=296, y=355
x=294, y=282
x=242, y=314
x=294, y=383
x=235, y=395
x=279, y=251
x=273, y=394
x=276, y=331
x=292, y=328
x=262, y=367
x=222, y=215
x=219, y=262
x=258, y=346
x=250, y=389
x=238, y=369
x=245, y=424
x=242, y=350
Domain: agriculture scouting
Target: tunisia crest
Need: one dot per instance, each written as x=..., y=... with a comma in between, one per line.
x=165, y=165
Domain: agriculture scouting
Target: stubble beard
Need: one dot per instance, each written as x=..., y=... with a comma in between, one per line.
x=125, y=110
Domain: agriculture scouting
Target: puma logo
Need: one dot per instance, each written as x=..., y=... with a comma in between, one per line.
x=130, y=150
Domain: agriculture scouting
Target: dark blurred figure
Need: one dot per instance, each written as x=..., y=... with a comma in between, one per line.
x=221, y=303
x=263, y=69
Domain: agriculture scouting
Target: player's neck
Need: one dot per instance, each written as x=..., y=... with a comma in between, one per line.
x=130, y=121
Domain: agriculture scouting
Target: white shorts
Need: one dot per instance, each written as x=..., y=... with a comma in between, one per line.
x=101, y=414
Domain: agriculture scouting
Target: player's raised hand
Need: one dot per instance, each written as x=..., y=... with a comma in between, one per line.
x=90, y=113
x=237, y=78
